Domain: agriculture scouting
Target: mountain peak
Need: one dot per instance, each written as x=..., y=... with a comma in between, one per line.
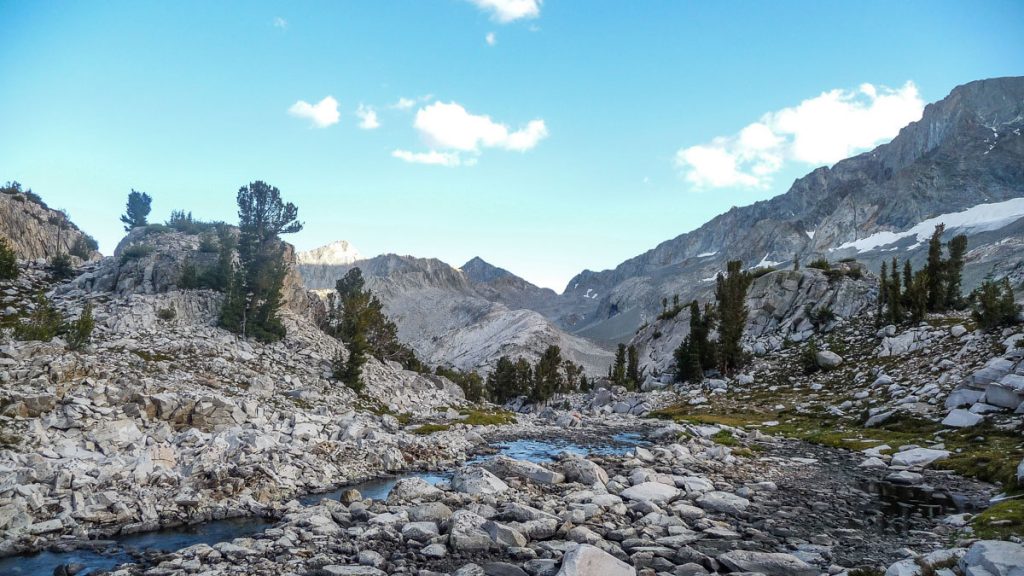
x=479, y=270
x=337, y=253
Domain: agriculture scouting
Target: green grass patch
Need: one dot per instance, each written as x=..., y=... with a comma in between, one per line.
x=725, y=438
x=1000, y=521
x=488, y=417
x=427, y=429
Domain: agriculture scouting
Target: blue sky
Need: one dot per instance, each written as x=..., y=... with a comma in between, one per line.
x=584, y=132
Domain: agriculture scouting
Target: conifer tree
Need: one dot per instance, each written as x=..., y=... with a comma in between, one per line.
x=619, y=368
x=262, y=218
x=632, y=368
x=957, y=247
x=136, y=211
x=548, y=378
x=731, y=295
x=895, y=298
x=935, y=270
x=883, y=292
x=8, y=261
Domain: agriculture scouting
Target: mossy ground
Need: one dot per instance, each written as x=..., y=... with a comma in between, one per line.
x=1002, y=520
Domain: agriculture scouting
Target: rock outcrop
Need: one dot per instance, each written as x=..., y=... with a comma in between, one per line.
x=37, y=231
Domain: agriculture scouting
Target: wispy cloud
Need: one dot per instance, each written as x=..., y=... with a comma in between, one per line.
x=491, y=39
x=322, y=114
x=821, y=130
x=432, y=157
x=506, y=11
x=367, y=117
x=280, y=23
x=452, y=132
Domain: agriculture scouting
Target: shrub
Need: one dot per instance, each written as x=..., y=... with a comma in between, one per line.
x=761, y=271
x=184, y=222
x=60, y=266
x=809, y=357
x=8, y=261
x=994, y=304
x=820, y=264
x=855, y=273
x=154, y=229
x=847, y=260
x=166, y=314
x=670, y=313
x=208, y=243
x=80, y=331
x=135, y=251
x=84, y=247
x=189, y=279
x=821, y=316
x=43, y=324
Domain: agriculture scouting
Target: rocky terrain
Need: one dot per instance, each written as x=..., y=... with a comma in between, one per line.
x=36, y=231
x=452, y=318
x=844, y=447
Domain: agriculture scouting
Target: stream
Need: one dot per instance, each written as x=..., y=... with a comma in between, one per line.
x=98, y=556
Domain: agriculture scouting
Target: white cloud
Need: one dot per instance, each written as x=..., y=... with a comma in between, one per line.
x=404, y=104
x=322, y=114
x=280, y=23
x=367, y=117
x=433, y=157
x=505, y=11
x=450, y=126
x=821, y=130
x=491, y=39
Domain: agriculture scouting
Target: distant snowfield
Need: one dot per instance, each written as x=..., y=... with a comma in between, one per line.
x=980, y=218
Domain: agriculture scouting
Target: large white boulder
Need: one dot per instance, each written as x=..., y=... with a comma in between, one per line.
x=960, y=418
x=650, y=492
x=918, y=457
x=768, y=563
x=474, y=480
x=587, y=560
x=993, y=558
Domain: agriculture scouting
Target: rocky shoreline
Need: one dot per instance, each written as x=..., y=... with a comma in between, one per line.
x=683, y=504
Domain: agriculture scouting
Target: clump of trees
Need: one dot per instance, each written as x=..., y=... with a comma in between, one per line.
x=698, y=352
x=46, y=322
x=626, y=369
x=551, y=374
x=8, y=261
x=359, y=321
x=136, y=210
x=471, y=383
x=934, y=288
x=254, y=290
x=994, y=304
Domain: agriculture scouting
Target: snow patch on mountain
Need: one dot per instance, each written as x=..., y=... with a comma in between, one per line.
x=980, y=218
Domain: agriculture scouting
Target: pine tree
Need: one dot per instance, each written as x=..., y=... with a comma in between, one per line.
x=548, y=377
x=619, y=369
x=895, y=297
x=731, y=295
x=79, y=332
x=957, y=247
x=501, y=382
x=8, y=261
x=883, y=293
x=136, y=211
x=935, y=270
x=918, y=296
x=263, y=217
x=994, y=304
x=632, y=368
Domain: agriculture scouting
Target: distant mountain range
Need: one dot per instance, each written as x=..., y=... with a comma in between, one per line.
x=962, y=164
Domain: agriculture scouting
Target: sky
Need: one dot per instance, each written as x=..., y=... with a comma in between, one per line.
x=545, y=137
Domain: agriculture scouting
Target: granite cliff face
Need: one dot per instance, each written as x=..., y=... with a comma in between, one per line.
x=451, y=317
x=967, y=150
x=36, y=231
x=781, y=305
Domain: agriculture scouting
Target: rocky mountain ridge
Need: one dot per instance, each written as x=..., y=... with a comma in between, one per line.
x=450, y=319
x=966, y=150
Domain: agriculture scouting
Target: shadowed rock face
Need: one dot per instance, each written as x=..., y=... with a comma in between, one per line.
x=449, y=319
x=33, y=229
x=966, y=150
